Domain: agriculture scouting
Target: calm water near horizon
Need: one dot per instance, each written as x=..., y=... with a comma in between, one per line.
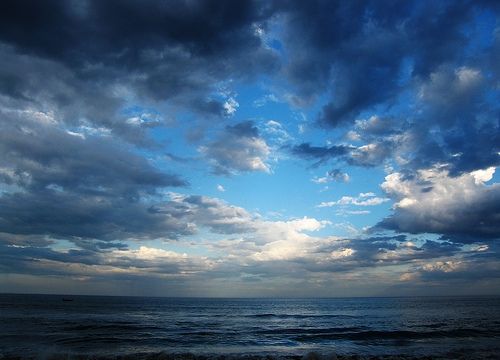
x=53, y=325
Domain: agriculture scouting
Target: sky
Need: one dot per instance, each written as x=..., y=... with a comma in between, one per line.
x=242, y=148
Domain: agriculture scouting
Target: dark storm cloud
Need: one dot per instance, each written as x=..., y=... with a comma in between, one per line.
x=93, y=190
x=40, y=155
x=84, y=57
x=372, y=55
x=74, y=186
x=67, y=215
x=360, y=50
x=111, y=27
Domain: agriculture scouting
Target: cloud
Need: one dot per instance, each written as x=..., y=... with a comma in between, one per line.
x=359, y=50
x=220, y=188
x=285, y=240
x=401, y=94
x=64, y=185
x=238, y=148
x=369, y=155
x=463, y=120
x=372, y=154
x=462, y=208
x=264, y=100
x=363, y=199
x=195, y=211
x=66, y=215
x=375, y=126
x=333, y=175
x=143, y=264
x=270, y=251
x=452, y=91
x=230, y=106
x=277, y=132
x=321, y=154
x=100, y=63
x=480, y=267
x=38, y=155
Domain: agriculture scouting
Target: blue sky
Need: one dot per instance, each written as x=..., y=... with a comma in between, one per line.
x=250, y=148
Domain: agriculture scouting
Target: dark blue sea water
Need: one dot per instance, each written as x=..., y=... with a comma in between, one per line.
x=45, y=326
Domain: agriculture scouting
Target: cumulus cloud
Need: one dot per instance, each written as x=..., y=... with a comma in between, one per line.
x=285, y=240
x=463, y=208
x=238, y=148
x=197, y=211
x=452, y=91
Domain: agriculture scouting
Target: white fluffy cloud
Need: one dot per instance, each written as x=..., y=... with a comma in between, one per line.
x=287, y=240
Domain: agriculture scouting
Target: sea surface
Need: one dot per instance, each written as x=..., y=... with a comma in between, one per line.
x=51, y=326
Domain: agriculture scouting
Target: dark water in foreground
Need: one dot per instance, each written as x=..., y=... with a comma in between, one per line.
x=46, y=326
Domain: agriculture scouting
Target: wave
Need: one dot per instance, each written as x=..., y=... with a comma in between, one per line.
x=116, y=327
x=301, y=316
x=92, y=339
x=394, y=335
x=311, y=331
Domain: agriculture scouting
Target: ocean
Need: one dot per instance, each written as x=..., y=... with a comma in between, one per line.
x=63, y=327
